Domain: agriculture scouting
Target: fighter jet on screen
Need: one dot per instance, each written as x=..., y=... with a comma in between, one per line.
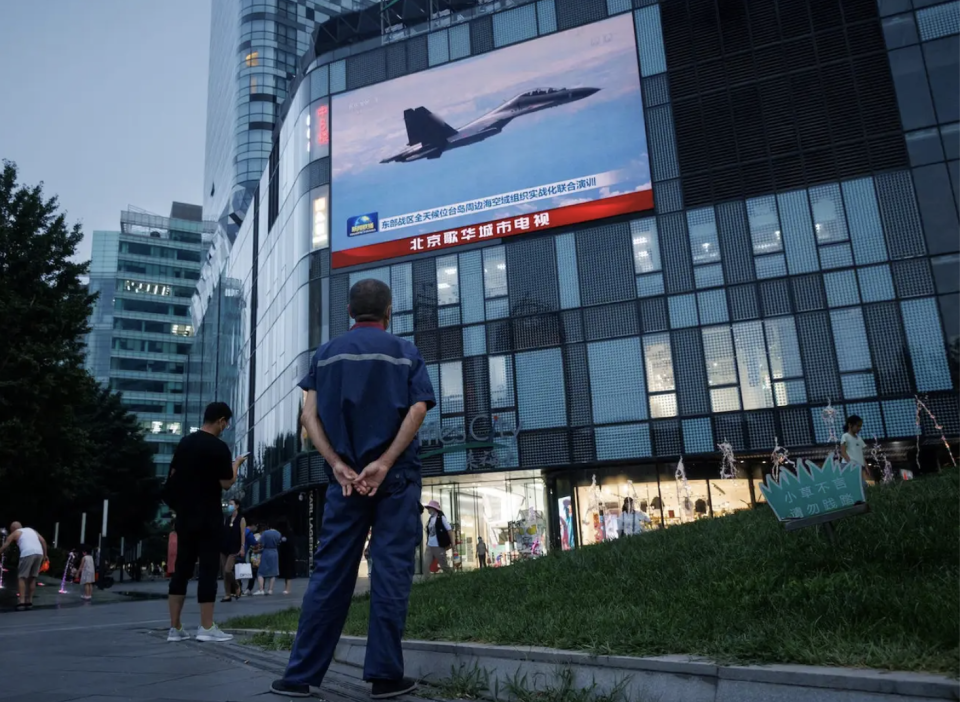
x=428, y=136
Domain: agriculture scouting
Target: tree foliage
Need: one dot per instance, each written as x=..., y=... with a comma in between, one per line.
x=66, y=444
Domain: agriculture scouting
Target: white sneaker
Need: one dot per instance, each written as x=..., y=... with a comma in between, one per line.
x=178, y=635
x=259, y=593
x=213, y=634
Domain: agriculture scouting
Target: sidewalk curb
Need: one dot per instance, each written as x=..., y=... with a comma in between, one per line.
x=663, y=678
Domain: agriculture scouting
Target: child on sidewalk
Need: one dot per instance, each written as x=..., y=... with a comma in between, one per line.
x=87, y=574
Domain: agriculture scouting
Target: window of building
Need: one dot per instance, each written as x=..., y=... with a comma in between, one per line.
x=721, y=369
x=320, y=229
x=252, y=59
x=617, y=386
x=448, y=281
x=753, y=369
x=660, y=379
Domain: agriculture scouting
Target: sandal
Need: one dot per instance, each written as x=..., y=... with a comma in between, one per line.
x=21, y=607
x=228, y=598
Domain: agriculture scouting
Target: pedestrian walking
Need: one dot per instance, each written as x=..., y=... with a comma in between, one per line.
x=199, y=473
x=269, y=561
x=287, y=552
x=367, y=395
x=231, y=549
x=88, y=573
x=438, y=535
x=252, y=547
x=481, y=552
x=33, y=554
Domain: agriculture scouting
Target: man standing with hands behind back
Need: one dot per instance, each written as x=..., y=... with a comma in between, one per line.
x=201, y=469
x=367, y=395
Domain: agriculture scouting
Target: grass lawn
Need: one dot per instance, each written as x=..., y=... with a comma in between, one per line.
x=736, y=589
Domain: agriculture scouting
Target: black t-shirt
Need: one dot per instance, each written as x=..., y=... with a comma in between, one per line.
x=201, y=461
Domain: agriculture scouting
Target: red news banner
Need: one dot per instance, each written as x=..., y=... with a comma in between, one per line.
x=497, y=229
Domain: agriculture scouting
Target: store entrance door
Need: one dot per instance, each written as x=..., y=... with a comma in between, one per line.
x=506, y=510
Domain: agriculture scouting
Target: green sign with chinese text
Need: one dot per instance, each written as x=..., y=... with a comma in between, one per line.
x=814, y=490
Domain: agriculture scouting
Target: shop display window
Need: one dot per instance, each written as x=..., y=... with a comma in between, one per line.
x=729, y=496
x=508, y=514
x=600, y=508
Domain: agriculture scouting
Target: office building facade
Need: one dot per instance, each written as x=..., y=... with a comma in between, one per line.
x=255, y=49
x=788, y=257
x=140, y=327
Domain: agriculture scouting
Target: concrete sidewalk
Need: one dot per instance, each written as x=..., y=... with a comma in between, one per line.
x=118, y=651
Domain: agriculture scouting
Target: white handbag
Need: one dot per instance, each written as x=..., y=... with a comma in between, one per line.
x=243, y=571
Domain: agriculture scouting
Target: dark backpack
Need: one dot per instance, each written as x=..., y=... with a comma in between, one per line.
x=443, y=536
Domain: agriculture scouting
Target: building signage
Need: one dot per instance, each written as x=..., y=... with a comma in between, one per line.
x=479, y=441
x=485, y=231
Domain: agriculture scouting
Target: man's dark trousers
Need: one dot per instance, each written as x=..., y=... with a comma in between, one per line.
x=395, y=517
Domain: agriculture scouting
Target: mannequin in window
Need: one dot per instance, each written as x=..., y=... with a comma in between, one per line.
x=631, y=520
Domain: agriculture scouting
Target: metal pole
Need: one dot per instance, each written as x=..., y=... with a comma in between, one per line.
x=106, y=507
x=83, y=528
x=122, y=552
x=56, y=534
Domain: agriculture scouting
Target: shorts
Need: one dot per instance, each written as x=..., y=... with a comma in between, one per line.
x=30, y=566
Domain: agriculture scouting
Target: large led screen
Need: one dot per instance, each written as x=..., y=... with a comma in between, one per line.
x=538, y=135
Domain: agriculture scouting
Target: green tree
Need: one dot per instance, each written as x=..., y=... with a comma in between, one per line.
x=43, y=315
x=65, y=444
x=120, y=464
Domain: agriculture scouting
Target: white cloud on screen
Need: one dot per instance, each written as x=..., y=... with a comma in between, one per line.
x=367, y=124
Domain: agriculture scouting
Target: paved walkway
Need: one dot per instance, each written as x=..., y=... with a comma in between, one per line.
x=114, y=651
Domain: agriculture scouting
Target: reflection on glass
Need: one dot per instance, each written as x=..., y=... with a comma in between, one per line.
x=784, y=348
x=755, y=386
x=451, y=387
x=662, y=406
x=494, y=272
x=320, y=230
x=718, y=355
x=501, y=381
x=702, y=227
x=448, y=281
x=764, y=225
x=656, y=351
x=828, y=218
x=646, y=246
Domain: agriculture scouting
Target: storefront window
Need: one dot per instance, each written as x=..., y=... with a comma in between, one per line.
x=601, y=505
x=729, y=496
x=507, y=511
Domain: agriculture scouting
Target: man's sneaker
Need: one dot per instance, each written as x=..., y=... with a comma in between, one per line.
x=212, y=634
x=178, y=634
x=289, y=689
x=388, y=689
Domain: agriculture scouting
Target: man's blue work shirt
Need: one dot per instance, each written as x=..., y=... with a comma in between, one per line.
x=366, y=381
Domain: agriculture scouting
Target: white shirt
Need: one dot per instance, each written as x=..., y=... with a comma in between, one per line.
x=854, y=446
x=631, y=523
x=432, y=531
x=29, y=543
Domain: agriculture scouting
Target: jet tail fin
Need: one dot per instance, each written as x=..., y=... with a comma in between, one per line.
x=424, y=127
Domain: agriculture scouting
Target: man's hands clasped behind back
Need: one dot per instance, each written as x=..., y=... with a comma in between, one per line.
x=367, y=482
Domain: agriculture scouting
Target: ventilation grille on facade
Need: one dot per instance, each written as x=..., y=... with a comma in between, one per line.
x=777, y=94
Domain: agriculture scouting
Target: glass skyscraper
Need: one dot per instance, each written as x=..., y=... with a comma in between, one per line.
x=140, y=328
x=255, y=50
